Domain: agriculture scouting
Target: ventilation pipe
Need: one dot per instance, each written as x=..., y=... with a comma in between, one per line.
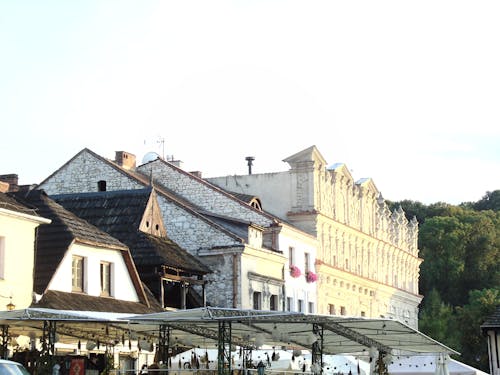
x=249, y=160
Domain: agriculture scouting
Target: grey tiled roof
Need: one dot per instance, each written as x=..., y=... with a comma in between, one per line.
x=119, y=213
x=493, y=321
x=53, y=240
x=9, y=203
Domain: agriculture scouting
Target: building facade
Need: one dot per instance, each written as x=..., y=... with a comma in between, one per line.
x=367, y=260
x=245, y=247
x=17, y=251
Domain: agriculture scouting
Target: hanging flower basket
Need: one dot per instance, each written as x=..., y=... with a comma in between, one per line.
x=295, y=271
x=311, y=277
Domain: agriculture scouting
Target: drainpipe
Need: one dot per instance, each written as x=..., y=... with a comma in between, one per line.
x=235, y=281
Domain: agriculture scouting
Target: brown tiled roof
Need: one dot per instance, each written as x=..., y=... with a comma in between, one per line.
x=53, y=299
x=53, y=240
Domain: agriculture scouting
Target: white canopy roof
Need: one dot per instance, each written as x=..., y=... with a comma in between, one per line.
x=341, y=335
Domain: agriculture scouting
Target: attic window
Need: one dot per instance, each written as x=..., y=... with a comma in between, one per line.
x=255, y=203
x=101, y=185
x=77, y=274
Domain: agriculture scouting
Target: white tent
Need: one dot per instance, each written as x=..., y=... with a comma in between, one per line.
x=426, y=365
x=283, y=359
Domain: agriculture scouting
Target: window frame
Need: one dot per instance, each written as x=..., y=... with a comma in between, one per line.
x=307, y=261
x=257, y=300
x=77, y=274
x=105, y=285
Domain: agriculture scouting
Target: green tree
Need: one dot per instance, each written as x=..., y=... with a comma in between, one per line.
x=461, y=252
x=490, y=201
x=442, y=249
x=436, y=318
x=472, y=344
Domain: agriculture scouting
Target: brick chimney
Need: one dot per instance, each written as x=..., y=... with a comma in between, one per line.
x=4, y=187
x=125, y=159
x=11, y=180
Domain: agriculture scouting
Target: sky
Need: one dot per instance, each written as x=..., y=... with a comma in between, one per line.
x=404, y=92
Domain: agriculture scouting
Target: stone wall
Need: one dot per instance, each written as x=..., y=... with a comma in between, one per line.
x=82, y=174
x=200, y=193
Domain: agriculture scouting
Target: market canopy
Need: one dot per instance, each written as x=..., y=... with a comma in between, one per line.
x=341, y=335
x=69, y=325
x=203, y=327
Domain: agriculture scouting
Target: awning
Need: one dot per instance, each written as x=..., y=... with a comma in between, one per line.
x=341, y=335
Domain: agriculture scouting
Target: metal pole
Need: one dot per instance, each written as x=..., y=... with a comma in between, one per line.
x=317, y=349
x=224, y=348
x=5, y=341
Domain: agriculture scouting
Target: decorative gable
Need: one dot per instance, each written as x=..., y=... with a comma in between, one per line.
x=309, y=156
x=152, y=220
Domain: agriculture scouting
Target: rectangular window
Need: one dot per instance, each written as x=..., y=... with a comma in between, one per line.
x=342, y=310
x=105, y=279
x=363, y=313
x=289, y=304
x=311, y=307
x=77, y=274
x=291, y=256
x=301, y=306
x=257, y=303
x=2, y=257
x=306, y=262
x=273, y=302
x=331, y=309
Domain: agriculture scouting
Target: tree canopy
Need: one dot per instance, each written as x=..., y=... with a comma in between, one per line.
x=460, y=272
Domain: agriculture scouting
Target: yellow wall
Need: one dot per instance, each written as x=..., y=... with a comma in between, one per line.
x=17, y=241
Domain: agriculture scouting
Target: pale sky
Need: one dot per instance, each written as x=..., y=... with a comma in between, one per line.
x=404, y=92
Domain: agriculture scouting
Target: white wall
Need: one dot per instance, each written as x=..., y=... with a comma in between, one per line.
x=299, y=288
x=121, y=284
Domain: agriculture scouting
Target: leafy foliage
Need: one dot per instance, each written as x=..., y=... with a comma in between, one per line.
x=460, y=274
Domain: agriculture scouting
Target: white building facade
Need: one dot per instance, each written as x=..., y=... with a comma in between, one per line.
x=367, y=258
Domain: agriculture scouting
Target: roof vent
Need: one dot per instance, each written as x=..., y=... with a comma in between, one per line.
x=249, y=160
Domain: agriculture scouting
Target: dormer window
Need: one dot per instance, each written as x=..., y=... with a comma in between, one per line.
x=101, y=185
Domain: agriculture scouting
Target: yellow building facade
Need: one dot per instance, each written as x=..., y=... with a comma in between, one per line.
x=367, y=257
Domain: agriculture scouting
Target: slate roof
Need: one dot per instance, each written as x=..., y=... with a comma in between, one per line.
x=58, y=300
x=9, y=203
x=146, y=181
x=119, y=213
x=493, y=321
x=54, y=240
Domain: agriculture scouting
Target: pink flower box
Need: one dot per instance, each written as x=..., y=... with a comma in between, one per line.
x=295, y=271
x=311, y=277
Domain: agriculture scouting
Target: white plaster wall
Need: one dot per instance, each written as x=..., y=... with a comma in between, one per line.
x=299, y=288
x=17, y=236
x=273, y=189
x=262, y=262
x=122, y=287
